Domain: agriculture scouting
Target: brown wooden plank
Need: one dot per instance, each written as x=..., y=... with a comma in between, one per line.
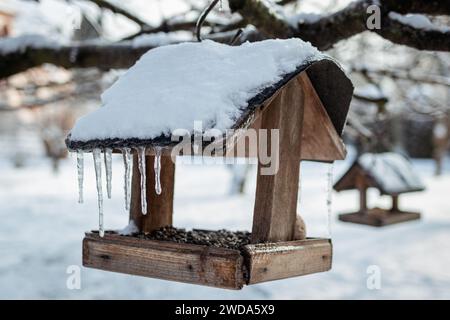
x=320, y=141
x=159, y=207
x=378, y=219
x=275, y=208
x=273, y=261
x=181, y=262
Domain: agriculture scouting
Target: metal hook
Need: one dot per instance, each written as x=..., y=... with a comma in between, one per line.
x=202, y=17
x=236, y=36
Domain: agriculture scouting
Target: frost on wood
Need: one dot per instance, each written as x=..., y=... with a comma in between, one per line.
x=212, y=81
x=80, y=175
x=98, y=178
x=142, y=169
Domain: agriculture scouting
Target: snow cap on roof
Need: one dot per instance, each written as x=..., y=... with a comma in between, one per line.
x=176, y=86
x=172, y=86
x=391, y=171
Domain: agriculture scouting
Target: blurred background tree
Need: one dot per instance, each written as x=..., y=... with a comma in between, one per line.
x=56, y=57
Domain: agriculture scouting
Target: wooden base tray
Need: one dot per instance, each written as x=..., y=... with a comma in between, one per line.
x=377, y=217
x=205, y=265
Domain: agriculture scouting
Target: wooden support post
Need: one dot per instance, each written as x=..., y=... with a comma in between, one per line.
x=362, y=199
x=159, y=207
x=275, y=208
x=395, y=203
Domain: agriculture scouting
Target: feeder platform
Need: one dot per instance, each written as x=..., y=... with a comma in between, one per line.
x=377, y=217
x=206, y=265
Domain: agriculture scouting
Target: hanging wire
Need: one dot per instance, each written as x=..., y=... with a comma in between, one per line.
x=202, y=17
x=236, y=37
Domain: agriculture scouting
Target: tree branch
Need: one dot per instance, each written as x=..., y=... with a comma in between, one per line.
x=270, y=21
x=328, y=30
x=104, y=57
x=108, y=5
x=404, y=75
x=264, y=15
x=422, y=39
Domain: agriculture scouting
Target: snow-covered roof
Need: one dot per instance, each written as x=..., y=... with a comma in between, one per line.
x=174, y=86
x=390, y=172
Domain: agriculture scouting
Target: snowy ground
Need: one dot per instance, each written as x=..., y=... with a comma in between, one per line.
x=42, y=226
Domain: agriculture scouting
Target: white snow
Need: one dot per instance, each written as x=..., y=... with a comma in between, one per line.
x=41, y=237
x=418, y=21
x=170, y=87
x=392, y=171
x=303, y=17
x=161, y=39
x=440, y=131
x=370, y=91
x=129, y=229
x=21, y=43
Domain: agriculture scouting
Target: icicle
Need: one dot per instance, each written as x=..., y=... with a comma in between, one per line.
x=126, y=152
x=329, y=196
x=157, y=167
x=73, y=55
x=80, y=169
x=141, y=158
x=108, y=170
x=220, y=5
x=98, y=177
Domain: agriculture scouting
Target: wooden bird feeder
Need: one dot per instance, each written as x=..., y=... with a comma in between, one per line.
x=392, y=175
x=309, y=107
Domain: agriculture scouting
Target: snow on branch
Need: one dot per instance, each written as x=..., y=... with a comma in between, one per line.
x=436, y=39
x=25, y=52
x=325, y=31
x=109, y=6
x=103, y=57
x=417, y=21
x=268, y=18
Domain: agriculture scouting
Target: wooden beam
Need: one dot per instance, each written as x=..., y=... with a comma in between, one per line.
x=320, y=141
x=362, y=199
x=377, y=217
x=159, y=207
x=395, y=203
x=275, y=208
x=218, y=267
x=361, y=185
x=282, y=260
